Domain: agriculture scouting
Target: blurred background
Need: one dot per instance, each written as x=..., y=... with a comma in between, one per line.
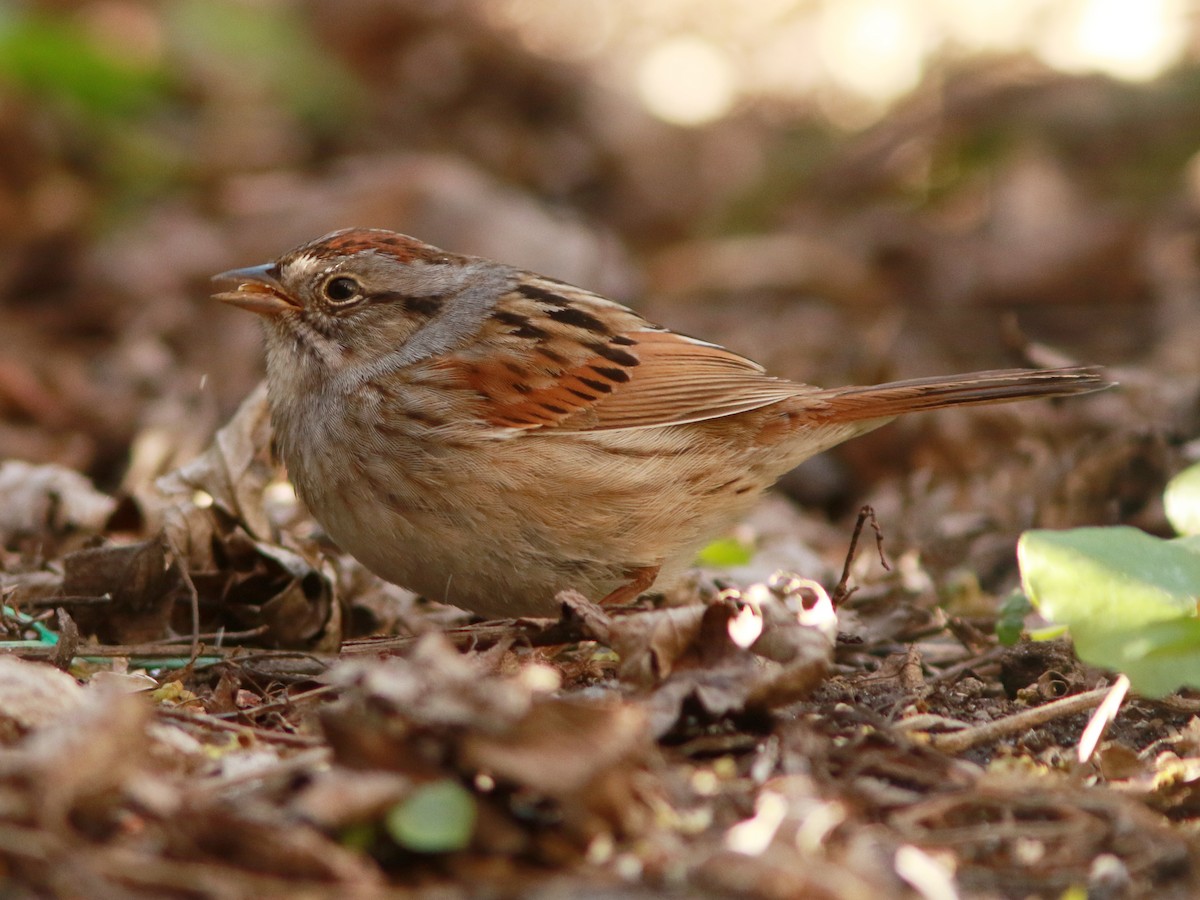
x=846, y=190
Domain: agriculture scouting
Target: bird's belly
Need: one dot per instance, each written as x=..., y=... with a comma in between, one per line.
x=501, y=527
x=482, y=549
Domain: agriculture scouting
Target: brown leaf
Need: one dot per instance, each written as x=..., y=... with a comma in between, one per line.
x=85, y=759
x=305, y=612
x=560, y=745
x=264, y=840
x=709, y=673
x=586, y=756
x=436, y=713
x=339, y=797
x=68, y=640
x=139, y=580
x=651, y=643
x=444, y=687
x=33, y=695
x=49, y=499
x=234, y=470
x=213, y=515
x=297, y=615
x=591, y=617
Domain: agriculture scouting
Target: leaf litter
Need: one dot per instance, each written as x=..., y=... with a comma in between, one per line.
x=200, y=696
x=729, y=745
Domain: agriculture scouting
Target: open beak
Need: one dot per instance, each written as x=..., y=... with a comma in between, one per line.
x=257, y=289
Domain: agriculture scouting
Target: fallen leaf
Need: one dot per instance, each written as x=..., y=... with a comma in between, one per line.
x=437, y=817
x=35, y=500
x=33, y=695
x=140, y=582
x=235, y=470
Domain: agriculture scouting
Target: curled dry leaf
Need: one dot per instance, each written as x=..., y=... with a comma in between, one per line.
x=259, y=585
x=586, y=756
x=651, y=645
x=214, y=516
x=433, y=686
x=235, y=470
x=48, y=499
x=304, y=613
x=138, y=578
x=560, y=745
x=688, y=658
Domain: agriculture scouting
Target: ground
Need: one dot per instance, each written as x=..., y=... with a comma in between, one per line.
x=200, y=695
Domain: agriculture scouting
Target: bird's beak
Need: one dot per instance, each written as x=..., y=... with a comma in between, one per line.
x=258, y=290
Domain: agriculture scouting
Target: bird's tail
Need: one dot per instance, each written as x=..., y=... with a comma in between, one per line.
x=852, y=404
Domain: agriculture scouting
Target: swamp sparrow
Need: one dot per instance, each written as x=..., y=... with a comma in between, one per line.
x=489, y=437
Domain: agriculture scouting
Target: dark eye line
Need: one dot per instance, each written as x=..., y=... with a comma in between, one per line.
x=427, y=305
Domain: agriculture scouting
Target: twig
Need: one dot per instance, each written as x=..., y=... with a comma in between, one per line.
x=194, y=601
x=1105, y=715
x=211, y=722
x=973, y=662
x=68, y=640
x=158, y=650
x=288, y=702
x=1175, y=703
x=1014, y=724
x=534, y=632
x=216, y=636
x=83, y=600
x=867, y=514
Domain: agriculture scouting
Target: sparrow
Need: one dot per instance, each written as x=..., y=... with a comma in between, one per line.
x=489, y=437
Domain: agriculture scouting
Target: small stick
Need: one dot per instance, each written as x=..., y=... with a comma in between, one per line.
x=215, y=636
x=203, y=720
x=85, y=600
x=867, y=514
x=68, y=640
x=975, y=661
x=288, y=702
x=194, y=603
x=1105, y=715
x=959, y=741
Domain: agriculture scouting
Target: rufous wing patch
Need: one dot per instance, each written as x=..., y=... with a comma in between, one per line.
x=639, y=379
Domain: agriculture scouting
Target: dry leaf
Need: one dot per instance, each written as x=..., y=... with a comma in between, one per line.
x=33, y=695
x=140, y=582
x=35, y=500
x=234, y=470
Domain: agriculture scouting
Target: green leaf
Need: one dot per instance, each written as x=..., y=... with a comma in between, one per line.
x=1128, y=598
x=1188, y=542
x=1049, y=633
x=724, y=553
x=1011, y=618
x=435, y=818
x=1182, y=501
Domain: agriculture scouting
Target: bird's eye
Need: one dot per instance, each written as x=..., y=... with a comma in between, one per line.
x=342, y=289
